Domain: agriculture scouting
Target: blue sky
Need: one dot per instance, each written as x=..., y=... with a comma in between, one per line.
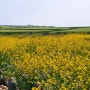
x=45, y=12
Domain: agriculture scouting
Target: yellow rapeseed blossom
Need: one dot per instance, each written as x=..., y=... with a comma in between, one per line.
x=47, y=62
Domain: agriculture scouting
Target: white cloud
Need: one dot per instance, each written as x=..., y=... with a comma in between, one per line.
x=45, y=12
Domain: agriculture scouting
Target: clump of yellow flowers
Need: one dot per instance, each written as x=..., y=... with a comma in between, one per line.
x=47, y=62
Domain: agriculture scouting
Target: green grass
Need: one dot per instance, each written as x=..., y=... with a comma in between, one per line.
x=42, y=30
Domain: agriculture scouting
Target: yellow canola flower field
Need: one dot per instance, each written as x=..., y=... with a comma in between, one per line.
x=47, y=62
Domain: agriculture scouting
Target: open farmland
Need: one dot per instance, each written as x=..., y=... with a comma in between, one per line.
x=47, y=62
x=41, y=30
